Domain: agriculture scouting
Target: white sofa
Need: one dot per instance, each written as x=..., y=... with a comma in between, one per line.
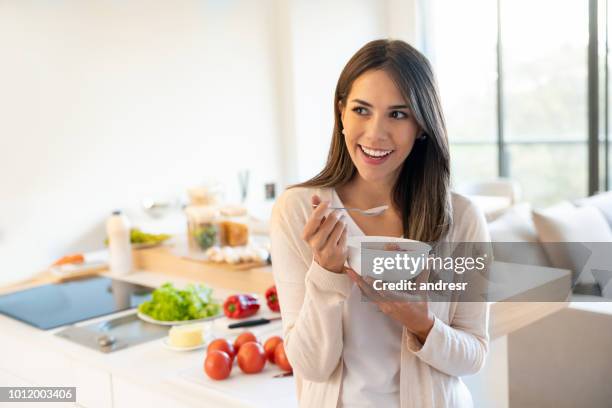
x=563, y=360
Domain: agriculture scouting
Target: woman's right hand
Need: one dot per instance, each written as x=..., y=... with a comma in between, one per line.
x=326, y=236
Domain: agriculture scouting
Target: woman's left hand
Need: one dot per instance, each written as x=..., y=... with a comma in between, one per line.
x=411, y=310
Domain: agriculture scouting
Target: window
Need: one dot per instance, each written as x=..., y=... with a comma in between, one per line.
x=463, y=52
x=513, y=80
x=544, y=71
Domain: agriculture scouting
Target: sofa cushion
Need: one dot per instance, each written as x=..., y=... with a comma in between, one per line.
x=515, y=238
x=603, y=202
x=569, y=234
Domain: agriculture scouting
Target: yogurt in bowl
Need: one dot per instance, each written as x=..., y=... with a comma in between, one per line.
x=387, y=258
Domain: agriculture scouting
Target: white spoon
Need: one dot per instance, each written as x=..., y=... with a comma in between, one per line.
x=372, y=212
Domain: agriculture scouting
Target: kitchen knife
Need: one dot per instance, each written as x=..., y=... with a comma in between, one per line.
x=250, y=323
x=287, y=374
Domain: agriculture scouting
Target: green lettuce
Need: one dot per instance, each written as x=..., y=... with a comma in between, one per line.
x=168, y=303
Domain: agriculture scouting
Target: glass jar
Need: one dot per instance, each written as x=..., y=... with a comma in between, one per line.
x=209, y=195
x=202, y=227
x=233, y=226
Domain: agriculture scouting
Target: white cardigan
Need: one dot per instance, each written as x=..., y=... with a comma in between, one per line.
x=312, y=301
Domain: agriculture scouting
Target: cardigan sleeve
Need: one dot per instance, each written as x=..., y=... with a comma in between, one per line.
x=460, y=347
x=311, y=298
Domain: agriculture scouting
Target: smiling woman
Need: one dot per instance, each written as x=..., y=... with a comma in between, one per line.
x=389, y=146
x=387, y=108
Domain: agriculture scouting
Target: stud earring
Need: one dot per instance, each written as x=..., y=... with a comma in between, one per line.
x=343, y=132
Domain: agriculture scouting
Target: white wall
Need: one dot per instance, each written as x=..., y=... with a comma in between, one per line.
x=325, y=35
x=104, y=103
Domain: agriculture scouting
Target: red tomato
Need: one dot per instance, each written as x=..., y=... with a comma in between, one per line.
x=270, y=346
x=222, y=345
x=251, y=357
x=281, y=358
x=217, y=365
x=244, y=338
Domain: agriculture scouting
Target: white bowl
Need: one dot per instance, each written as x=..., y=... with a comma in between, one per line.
x=374, y=247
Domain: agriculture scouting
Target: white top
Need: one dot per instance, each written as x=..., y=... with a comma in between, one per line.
x=367, y=381
x=313, y=301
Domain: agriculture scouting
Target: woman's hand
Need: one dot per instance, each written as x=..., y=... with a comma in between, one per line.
x=411, y=310
x=326, y=236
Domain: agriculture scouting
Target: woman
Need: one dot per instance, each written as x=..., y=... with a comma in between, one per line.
x=389, y=146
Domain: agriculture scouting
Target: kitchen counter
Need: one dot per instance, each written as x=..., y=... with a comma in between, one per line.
x=151, y=375
x=145, y=375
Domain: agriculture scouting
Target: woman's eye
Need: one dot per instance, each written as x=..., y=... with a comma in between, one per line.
x=399, y=115
x=360, y=110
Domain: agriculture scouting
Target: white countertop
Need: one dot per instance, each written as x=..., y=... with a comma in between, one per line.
x=178, y=375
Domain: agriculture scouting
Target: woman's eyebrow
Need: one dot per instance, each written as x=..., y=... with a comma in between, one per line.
x=362, y=102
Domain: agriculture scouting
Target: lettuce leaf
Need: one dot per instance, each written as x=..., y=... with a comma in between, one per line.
x=168, y=303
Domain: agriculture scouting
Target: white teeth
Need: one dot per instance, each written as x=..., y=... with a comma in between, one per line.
x=375, y=153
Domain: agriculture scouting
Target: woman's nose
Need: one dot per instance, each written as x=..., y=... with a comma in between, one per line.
x=376, y=128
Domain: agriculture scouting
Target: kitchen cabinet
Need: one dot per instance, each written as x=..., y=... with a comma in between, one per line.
x=127, y=394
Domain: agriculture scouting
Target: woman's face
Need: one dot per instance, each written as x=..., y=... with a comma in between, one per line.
x=379, y=129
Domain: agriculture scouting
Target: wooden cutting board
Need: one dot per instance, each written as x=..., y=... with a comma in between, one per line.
x=243, y=266
x=184, y=253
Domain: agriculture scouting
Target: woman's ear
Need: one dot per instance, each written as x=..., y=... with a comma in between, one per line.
x=421, y=134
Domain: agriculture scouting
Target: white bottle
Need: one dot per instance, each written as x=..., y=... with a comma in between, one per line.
x=119, y=246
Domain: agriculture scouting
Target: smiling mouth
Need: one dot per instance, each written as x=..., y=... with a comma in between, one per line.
x=375, y=153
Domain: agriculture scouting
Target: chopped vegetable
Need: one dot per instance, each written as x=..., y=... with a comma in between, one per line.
x=272, y=299
x=270, y=346
x=217, y=365
x=238, y=306
x=280, y=358
x=244, y=338
x=205, y=236
x=170, y=304
x=139, y=237
x=70, y=259
x=251, y=358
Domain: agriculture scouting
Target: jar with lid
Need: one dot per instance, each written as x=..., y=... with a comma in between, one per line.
x=202, y=227
x=205, y=196
x=233, y=226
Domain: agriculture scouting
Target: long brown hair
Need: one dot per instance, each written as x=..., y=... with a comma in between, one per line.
x=422, y=190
